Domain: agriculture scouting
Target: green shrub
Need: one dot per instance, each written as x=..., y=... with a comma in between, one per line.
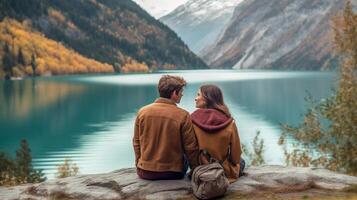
x=328, y=135
x=19, y=170
x=256, y=157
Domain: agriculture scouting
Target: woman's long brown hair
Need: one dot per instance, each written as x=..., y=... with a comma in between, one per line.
x=214, y=98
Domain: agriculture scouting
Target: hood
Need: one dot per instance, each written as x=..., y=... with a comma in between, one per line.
x=210, y=120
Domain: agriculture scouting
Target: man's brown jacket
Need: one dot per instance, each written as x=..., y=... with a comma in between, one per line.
x=163, y=134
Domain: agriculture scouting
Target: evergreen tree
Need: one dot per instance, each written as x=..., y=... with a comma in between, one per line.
x=33, y=64
x=23, y=160
x=21, y=58
x=116, y=67
x=24, y=170
x=19, y=170
x=8, y=60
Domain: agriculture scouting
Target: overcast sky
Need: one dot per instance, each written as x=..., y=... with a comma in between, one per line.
x=159, y=8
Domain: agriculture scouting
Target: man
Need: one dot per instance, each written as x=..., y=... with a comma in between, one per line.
x=164, y=138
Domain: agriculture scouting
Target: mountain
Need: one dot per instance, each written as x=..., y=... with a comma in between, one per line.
x=278, y=34
x=114, y=32
x=199, y=22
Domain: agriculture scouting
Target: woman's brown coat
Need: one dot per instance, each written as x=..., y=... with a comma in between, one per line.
x=218, y=134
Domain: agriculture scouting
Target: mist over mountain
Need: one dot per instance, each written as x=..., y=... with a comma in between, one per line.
x=198, y=22
x=159, y=8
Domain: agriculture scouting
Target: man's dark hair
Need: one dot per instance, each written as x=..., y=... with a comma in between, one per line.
x=169, y=84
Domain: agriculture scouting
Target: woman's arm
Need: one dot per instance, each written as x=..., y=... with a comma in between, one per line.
x=236, y=150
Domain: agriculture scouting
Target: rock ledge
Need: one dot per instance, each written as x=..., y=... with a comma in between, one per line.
x=125, y=184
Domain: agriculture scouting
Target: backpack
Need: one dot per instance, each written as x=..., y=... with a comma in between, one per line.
x=209, y=181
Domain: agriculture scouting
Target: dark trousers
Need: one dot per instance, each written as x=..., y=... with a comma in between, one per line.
x=150, y=175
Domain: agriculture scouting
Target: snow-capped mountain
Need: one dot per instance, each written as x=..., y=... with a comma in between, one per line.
x=159, y=8
x=284, y=34
x=199, y=22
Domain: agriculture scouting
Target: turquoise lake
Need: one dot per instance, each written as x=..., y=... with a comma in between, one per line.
x=89, y=118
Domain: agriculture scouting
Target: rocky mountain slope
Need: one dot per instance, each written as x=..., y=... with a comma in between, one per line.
x=198, y=22
x=112, y=32
x=279, y=34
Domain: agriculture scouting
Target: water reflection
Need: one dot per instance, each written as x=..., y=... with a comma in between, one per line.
x=281, y=100
x=20, y=98
x=90, y=118
x=101, y=151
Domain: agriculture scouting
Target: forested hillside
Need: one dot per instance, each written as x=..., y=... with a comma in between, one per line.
x=113, y=32
x=25, y=52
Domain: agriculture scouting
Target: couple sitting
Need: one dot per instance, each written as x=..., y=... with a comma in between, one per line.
x=168, y=139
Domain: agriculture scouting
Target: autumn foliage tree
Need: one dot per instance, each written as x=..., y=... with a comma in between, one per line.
x=26, y=52
x=133, y=66
x=68, y=168
x=328, y=135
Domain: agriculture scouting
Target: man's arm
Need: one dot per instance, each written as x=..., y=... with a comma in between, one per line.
x=190, y=143
x=136, y=140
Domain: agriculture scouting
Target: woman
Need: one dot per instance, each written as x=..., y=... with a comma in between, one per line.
x=216, y=131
